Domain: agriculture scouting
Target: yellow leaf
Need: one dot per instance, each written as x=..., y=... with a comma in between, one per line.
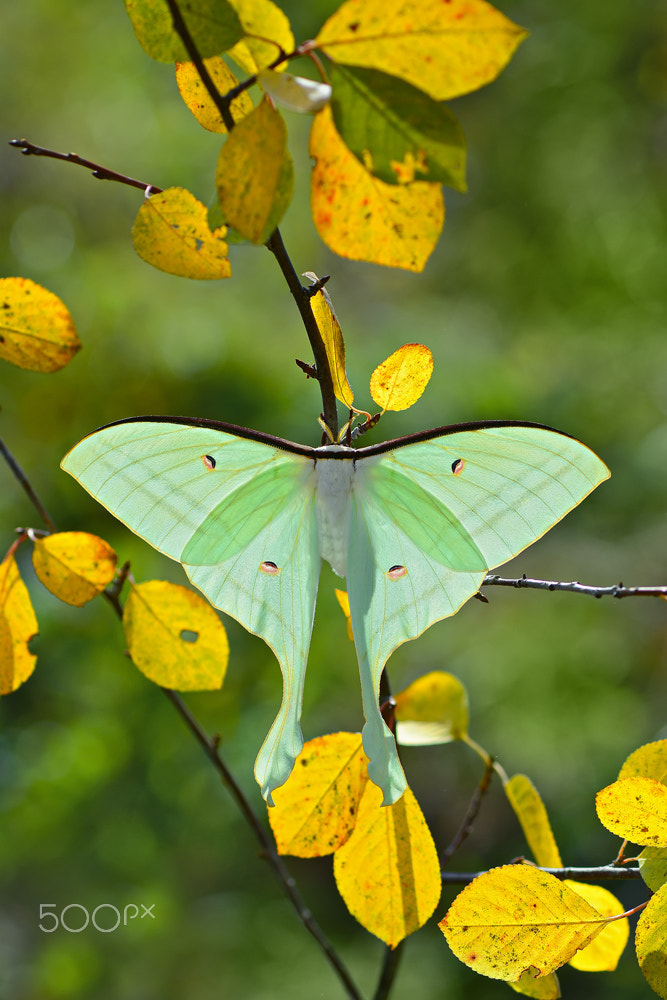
x=602, y=954
x=363, y=218
x=344, y=601
x=543, y=988
x=331, y=334
x=651, y=942
x=74, y=566
x=531, y=813
x=399, y=381
x=517, y=917
x=267, y=30
x=653, y=867
x=175, y=637
x=445, y=49
x=254, y=175
x=171, y=232
x=36, y=330
x=18, y=626
x=316, y=809
x=198, y=99
x=388, y=872
x=433, y=709
x=635, y=809
x=649, y=761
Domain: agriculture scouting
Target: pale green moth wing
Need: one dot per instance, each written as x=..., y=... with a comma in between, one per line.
x=429, y=517
x=240, y=515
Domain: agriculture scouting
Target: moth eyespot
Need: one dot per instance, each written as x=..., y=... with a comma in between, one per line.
x=458, y=466
x=396, y=572
x=269, y=568
x=209, y=462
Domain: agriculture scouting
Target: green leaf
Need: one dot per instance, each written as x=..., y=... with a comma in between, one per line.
x=213, y=24
x=254, y=176
x=398, y=132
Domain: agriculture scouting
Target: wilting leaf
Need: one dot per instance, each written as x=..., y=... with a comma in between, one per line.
x=532, y=814
x=36, y=330
x=254, y=176
x=445, y=49
x=198, y=99
x=267, y=31
x=213, y=25
x=433, y=709
x=399, y=133
x=74, y=565
x=332, y=337
x=296, y=93
x=603, y=953
x=651, y=942
x=399, y=381
x=18, y=626
x=316, y=809
x=175, y=637
x=388, y=871
x=359, y=216
x=635, y=809
x=171, y=232
x=515, y=917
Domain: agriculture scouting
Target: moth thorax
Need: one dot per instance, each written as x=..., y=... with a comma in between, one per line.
x=334, y=493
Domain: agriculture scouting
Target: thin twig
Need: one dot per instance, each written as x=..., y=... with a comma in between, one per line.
x=392, y=958
x=602, y=874
x=616, y=590
x=268, y=851
x=471, y=813
x=27, y=486
x=101, y=173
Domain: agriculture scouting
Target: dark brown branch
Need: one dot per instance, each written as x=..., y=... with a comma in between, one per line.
x=27, y=486
x=268, y=850
x=101, y=173
x=392, y=958
x=471, y=813
x=616, y=590
x=602, y=874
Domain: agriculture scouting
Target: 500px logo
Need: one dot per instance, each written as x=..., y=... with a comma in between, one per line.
x=51, y=921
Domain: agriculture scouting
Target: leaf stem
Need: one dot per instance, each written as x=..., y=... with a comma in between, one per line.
x=471, y=813
x=27, y=486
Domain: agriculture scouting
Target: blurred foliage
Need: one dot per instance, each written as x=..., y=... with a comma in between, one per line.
x=544, y=301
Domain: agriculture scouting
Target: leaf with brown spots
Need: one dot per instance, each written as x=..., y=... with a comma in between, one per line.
x=36, y=330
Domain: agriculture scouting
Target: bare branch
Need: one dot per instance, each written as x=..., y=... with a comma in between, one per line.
x=616, y=590
x=471, y=813
x=100, y=172
x=602, y=874
x=27, y=486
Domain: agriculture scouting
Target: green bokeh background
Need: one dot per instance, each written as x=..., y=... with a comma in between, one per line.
x=545, y=301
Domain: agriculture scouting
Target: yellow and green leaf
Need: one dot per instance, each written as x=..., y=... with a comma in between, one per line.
x=653, y=867
x=649, y=761
x=399, y=381
x=175, y=637
x=316, y=809
x=198, y=99
x=18, y=626
x=433, y=709
x=36, y=330
x=344, y=602
x=213, y=25
x=332, y=337
x=651, y=942
x=388, y=872
x=445, y=49
x=540, y=988
x=532, y=815
x=171, y=232
x=254, y=175
x=74, y=565
x=398, y=132
x=267, y=32
x=517, y=917
x=361, y=217
x=635, y=809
